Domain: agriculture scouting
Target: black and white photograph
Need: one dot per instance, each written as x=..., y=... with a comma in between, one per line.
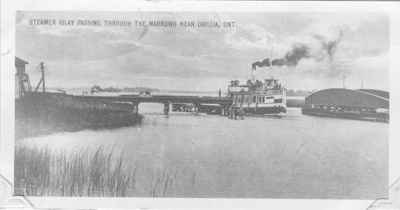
x=202, y=104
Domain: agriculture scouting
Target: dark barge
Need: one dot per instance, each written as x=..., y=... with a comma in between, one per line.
x=44, y=113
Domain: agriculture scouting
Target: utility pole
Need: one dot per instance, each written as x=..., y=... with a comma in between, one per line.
x=344, y=81
x=43, y=80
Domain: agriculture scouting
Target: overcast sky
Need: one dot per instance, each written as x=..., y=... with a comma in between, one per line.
x=206, y=58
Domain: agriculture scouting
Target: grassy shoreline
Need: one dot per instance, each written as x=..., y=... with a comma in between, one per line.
x=40, y=172
x=100, y=173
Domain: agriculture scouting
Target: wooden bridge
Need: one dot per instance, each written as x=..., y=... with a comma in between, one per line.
x=167, y=100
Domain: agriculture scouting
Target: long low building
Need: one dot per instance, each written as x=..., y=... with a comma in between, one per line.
x=339, y=102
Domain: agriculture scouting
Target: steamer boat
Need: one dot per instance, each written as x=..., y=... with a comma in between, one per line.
x=258, y=97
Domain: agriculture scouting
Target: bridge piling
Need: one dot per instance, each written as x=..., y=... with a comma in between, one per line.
x=166, y=108
x=135, y=109
x=196, y=108
x=224, y=111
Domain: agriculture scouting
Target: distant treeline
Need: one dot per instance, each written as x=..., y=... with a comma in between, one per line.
x=291, y=92
x=97, y=88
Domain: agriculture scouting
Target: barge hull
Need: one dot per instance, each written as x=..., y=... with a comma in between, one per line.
x=45, y=113
x=367, y=116
x=265, y=110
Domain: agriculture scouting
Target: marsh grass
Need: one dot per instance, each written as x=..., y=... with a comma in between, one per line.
x=162, y=183
x=42, y=172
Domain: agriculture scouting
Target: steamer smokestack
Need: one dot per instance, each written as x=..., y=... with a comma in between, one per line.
x=264, y=63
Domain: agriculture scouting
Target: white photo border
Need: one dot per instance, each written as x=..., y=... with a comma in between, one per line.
x=8, y=12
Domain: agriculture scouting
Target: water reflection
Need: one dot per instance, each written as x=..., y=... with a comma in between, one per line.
x=213, y=156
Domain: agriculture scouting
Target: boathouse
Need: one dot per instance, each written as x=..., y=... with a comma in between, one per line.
x=22, y=83
x=347, y=103
x=361, y=98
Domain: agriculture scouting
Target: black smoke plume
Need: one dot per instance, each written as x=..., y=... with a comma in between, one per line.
x=301, y=51
x=329, y=46
x=291, y=58
x=297, y=53
x=262, y=63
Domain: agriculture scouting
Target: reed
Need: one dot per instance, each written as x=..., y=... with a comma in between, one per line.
x=42, y=172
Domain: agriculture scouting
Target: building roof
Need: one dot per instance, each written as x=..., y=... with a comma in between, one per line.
x=19, y=62
x=348, y=97
x=380, y=93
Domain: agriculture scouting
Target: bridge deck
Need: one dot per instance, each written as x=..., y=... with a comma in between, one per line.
x=163, y=99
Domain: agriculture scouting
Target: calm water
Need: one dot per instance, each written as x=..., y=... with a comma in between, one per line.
x=296, y=156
